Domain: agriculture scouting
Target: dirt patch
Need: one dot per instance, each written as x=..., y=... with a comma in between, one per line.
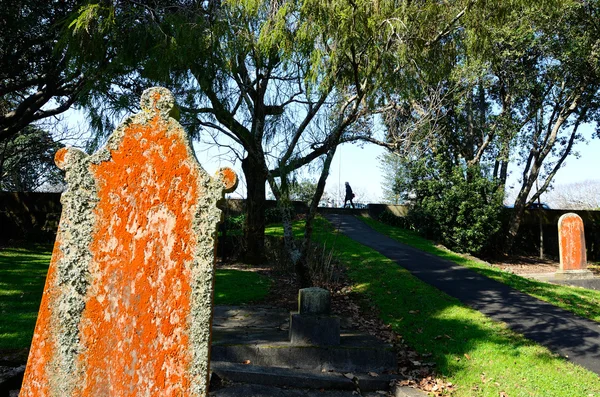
x=524, y=265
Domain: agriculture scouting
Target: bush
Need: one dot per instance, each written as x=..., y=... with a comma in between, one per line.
x=389, y=218
x=323, y=268
x=234, y=222
x=460, y=208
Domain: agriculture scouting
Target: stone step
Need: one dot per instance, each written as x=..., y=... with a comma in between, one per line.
x=271, y=348
x=301, y=379
x=250, y=390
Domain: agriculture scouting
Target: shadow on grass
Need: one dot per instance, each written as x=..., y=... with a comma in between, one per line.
x=22, y=276
x=235, y=287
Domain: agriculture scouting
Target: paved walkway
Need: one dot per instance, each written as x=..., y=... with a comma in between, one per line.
x=559, y=330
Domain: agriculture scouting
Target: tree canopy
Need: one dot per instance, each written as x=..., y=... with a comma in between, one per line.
x=281, y=83
x=38, y=76
x=520, y=95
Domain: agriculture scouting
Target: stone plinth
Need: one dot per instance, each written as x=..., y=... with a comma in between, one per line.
x=127, y=304
x=571, y=245
x=312, y=324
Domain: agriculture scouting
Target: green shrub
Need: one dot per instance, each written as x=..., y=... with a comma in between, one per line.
x=389, y=218
x=460, y=208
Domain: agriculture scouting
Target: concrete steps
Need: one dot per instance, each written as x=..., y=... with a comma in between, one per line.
x=301, y=379
x=356, y=352
x=251, y=345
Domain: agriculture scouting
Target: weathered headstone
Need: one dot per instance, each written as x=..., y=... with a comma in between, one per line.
x=313, y=324
x=127, y=305
x=571, y=246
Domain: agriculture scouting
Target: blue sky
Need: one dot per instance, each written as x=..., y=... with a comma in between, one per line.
x=359, y=165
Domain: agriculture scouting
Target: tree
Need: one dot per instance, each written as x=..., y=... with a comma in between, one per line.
x=525, y=93
x=285, y=82
x=27, y=161
x=563, y=96
x=302, y=190
x=38, y=76
x=396, y=183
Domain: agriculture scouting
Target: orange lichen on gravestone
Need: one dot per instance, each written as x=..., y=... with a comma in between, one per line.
x=571, y=243
x=228, y=177
x=127, y=309
x=43, y=344
x=141, y=249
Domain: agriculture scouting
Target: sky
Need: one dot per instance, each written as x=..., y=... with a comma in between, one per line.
x=359, y=165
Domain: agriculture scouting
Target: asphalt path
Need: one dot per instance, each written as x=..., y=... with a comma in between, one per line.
x=562, y=332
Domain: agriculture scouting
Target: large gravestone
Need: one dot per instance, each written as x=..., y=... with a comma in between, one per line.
x=571, y=246
x=127, y=305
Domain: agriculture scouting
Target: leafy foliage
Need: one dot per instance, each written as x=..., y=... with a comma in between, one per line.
x=27, y=162
x=39, y=77
x=515, y=83
x=458, y=206
x=396, y=184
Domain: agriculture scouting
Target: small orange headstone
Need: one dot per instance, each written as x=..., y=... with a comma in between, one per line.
x=571, y=243
x=127, y=305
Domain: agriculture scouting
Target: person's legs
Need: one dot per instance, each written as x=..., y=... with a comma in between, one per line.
x=351, y=203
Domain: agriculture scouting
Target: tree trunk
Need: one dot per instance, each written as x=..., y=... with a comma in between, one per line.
x=514, y=225
x=296, y=255
x=254, y=227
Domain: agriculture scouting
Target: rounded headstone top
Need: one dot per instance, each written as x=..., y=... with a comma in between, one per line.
x=66, y=156
x=159, y=100
x=570, y=217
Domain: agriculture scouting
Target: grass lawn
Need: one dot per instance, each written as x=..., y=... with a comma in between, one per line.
x=235, y=287
x=23, y=273
x=583, y=302
x=479, y=356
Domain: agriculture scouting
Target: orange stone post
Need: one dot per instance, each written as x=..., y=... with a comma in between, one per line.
x=571, y=244
x=127, y=305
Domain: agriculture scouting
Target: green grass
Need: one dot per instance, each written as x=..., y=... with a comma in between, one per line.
x=479, y=356
x=22, y=276
x=236, y=287
x=583, y=302
x=23, y=273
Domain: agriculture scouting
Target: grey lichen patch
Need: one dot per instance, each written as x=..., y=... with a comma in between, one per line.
x=157, y=100
x=205, y=225
x=75, y=236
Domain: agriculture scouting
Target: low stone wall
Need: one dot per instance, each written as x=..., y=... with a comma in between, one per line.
x=377, y=209
x=29, y=216
x=237, y=207
x=35, y=216
x=528, y=239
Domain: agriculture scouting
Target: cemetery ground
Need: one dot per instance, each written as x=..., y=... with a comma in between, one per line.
x=583, y=302
x=443, y=347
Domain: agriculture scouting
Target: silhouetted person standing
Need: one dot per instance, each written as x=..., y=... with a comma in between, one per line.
x=349, y=195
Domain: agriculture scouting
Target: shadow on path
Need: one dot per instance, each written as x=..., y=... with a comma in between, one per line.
x=562, y=332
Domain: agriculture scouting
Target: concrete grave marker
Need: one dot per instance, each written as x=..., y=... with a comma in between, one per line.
x=313, y=323
x=571, y=245
x=127, y=305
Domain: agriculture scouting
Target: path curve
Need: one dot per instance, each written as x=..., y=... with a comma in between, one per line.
x=562, y=332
